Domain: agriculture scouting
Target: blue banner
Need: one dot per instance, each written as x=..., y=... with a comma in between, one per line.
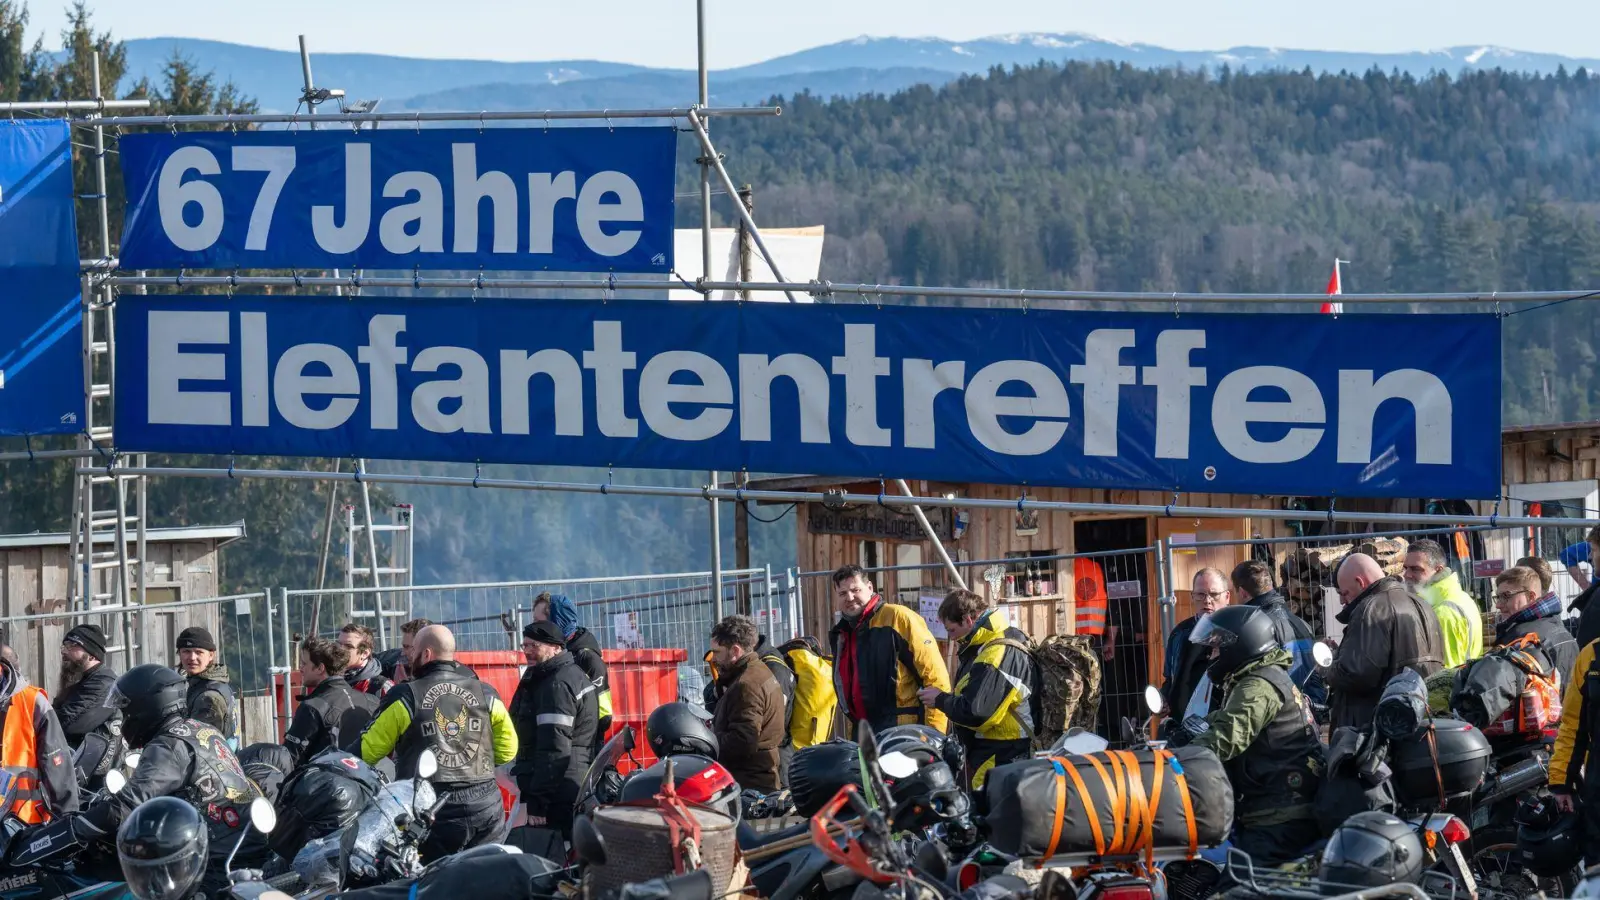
x=41, y=312
x=1273, y=404
x=562, y=199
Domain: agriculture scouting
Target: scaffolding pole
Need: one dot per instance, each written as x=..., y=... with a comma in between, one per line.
x=706, y=157
x=72, y=105
x=1024, y=502
x=822, y=289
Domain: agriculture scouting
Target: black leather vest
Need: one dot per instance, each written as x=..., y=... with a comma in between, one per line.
x=217, y=785
x=450, y=714
x=1283, y=767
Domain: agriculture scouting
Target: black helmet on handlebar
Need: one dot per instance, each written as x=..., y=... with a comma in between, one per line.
x=676, y=728
x=162, y=846
x=1371, y=849
x=817, y=772
x=1239, y=634
x=148, y=695
x=1549, y=842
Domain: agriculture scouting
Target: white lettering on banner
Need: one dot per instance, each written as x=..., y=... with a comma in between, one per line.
x=1232, y=411
x=192, y=209
x=1012, y=407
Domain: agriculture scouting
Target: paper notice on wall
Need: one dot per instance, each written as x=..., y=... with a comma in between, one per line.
x=928, y=604
x=769, y=621
x=1331, y=607
x=626, y=628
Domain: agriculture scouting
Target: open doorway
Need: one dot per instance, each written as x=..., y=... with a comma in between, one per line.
x=1124, y=652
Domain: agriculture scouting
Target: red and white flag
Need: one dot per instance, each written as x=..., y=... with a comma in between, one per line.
x=1335, y=288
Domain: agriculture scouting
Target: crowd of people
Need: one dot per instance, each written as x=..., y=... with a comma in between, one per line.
x=1240, y=669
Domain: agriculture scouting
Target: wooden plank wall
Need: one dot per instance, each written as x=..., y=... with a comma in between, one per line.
x=34, y=580
x=1538, y=457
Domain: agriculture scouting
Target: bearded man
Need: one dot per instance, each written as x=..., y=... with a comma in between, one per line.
x=93, y=730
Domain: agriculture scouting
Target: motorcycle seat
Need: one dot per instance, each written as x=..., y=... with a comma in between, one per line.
x=750, y=839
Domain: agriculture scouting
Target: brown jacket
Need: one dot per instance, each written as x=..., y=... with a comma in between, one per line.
x=1388, y=629
x=750, y=723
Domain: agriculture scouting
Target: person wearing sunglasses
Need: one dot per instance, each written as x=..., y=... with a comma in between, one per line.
x=1523, y=608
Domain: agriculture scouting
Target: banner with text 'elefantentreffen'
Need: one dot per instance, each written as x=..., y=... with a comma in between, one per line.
x=41, y=308
x=563, y=199
x=1272, y=404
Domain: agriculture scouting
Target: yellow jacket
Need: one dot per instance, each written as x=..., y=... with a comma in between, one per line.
x=1571, y=722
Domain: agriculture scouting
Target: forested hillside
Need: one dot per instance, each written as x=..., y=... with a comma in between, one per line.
x=1118, y=178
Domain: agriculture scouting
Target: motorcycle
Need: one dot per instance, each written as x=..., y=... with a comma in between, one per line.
x=90, y=874
x=382, y=844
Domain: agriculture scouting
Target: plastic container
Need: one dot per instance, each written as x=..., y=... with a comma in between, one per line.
x=641, y=680
x=502, y=669
x=1463, y=760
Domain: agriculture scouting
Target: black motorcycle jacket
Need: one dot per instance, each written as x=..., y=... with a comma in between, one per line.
x=332, y=717
x=556, y=712
x=189, y=760
x=445, y=709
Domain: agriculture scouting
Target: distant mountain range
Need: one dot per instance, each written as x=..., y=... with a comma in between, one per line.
x=847, y=68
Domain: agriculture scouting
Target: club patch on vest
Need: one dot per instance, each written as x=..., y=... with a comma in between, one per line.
x=456, y=734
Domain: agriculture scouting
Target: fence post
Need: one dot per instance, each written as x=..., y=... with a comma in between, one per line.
x=1169, y=599
x=792, y=575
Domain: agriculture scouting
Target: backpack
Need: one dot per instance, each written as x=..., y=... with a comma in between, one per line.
x=1511, y=689
x=815, y=704
x=1066, y=688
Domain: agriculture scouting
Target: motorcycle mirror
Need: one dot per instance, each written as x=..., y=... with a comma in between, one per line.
x=587, y=843
x=931, y=859
x=427, y=764
x=897, y=765
x=262, y=815
x=131, y=760
x=115, y=781
x=1322, y=654
x=1152, y=698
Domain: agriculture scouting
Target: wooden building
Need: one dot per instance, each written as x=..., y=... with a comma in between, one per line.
x=1550, y=471
x=184, y=564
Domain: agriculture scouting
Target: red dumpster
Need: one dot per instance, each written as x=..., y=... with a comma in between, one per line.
x=641, y=680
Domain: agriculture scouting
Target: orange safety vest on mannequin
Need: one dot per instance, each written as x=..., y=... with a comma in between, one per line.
x=1089, y=592
x=19, y=756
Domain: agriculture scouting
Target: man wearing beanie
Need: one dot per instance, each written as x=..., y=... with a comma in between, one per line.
x=93, y=730
x=556, y=713
x=210, y=695
x=559, y=610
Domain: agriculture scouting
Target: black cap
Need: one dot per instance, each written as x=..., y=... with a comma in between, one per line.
x=545, y=633
x=196, y=638
x=90, y=638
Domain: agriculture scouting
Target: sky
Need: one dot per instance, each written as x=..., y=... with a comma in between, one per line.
x=662, y=32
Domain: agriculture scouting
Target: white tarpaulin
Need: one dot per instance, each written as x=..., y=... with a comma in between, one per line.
x=798, y=251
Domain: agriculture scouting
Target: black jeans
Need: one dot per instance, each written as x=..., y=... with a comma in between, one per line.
x=470, y=817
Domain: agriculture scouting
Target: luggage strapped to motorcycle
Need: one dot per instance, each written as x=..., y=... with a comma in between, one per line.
x=683, y=828
x=1132, y=819
x=1433, y=753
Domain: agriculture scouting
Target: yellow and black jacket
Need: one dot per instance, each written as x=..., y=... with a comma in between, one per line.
x=446, y=710
x=881, y=660
x=1579, y=737
x=991, y=706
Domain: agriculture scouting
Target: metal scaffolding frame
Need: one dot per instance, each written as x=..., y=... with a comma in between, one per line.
x=103, y=279
x=738, y=495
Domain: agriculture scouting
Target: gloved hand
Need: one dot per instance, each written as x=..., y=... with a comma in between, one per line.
x=39, y=843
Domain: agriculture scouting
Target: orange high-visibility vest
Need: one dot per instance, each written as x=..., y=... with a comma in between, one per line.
x=19, y=756
x=1089, y=590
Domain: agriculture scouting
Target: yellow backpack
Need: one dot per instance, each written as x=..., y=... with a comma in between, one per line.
x=815, y=703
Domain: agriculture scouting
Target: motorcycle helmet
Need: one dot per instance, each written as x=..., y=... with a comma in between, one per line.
x=1370, y=849
x=678, y=727
x=817, y=772
x=148, y=695
x=162, y=846
x=1240, y=635
x=1549, y=842
x=924, y=744
x=699, y=780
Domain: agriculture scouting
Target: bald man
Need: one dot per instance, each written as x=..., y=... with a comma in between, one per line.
x=444, y=708
x=1387, y=629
